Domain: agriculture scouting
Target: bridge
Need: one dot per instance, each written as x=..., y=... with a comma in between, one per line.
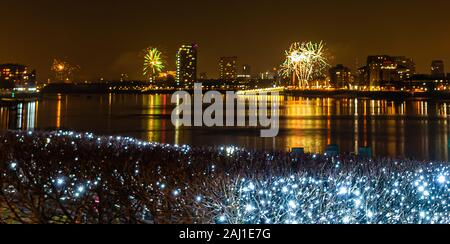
x=261, y=91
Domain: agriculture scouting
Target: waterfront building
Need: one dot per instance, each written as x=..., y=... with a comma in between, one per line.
x=385, y=71
x=17, y=76
x=426, y=82
x=406, y=68
x=437, y=68
x=270, y=74
x=340, y=76
x=246, y=72
x=228, y=68
x=187, y=65
x=363, y=78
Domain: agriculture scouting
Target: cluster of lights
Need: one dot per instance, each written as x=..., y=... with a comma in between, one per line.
x=229, y=150
x=343, y=197
x=199, y=185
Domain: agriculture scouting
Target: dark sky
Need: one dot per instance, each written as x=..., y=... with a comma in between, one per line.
x=104, y=37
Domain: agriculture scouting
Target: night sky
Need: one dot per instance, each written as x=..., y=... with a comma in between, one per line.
x=104, y=37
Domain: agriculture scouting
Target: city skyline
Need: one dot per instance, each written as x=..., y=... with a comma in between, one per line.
x=225, y=113
x=106, y=46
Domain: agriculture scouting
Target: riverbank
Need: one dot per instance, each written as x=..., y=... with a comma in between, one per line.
x=88, y=179
x=138, y=88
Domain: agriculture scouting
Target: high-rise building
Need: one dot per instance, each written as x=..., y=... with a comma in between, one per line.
x=17, y=76
x=268, y=75
x=340, y=76
x=363, y=77
x=187, y=65
x=383, y=69
x=437, y=68
x=406, y=68
x=228, y=68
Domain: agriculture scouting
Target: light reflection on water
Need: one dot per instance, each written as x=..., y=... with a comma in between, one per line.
x=414, y=129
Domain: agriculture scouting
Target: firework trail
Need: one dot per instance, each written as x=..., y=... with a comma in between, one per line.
x=304, y=61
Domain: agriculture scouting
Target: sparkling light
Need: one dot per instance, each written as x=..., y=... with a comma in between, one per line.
x=249, y=208
x=343, y=191
x=198, y=198
x=60, y=181
x=222, y=219
x=304, y=61
x=188, y=189
x=13, y=165
x=176, y=192
x=442, y=179
x=292, y=204
x=347, y=197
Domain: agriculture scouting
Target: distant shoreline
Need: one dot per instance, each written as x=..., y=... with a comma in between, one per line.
x=391, y=95
x=343, y=94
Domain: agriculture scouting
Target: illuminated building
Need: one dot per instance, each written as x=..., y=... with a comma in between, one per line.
x=406, y=68
x=16, y=76
x=340, y=76
x=164, y=75
x=187, y=65
x=228, y=68
x=426, y=82
x=363, y=77
x=384, y=70
x=246, y=72
x=268, y=75
x=437, y=68
x=380, y=69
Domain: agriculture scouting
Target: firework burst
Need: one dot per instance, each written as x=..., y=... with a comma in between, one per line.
x=63, y=70
x=304, y=61
x=153, y=63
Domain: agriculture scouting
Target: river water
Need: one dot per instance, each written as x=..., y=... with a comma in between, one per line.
x=416, y=129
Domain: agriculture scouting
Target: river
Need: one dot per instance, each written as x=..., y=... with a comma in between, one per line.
x=417, y=129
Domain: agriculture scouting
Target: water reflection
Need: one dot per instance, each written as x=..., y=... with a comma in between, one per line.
x=23, y=116
x=58, y=112
x=411, y=128
x=415, y=129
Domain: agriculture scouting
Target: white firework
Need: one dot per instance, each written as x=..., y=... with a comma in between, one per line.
x=304, y=61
